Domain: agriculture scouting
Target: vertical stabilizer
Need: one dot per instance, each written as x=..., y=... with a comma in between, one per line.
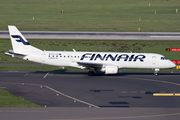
x=19, y=42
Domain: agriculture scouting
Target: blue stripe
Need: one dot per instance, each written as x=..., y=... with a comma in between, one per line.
x=20, y=39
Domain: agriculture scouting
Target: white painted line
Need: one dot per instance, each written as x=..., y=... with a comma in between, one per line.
x=25, y=75
x=124, y=92
x=60, y=93
x=25, y=111
x=142, y=91
x=13, y=71
x=133, y=91
x=89, y=104
x=2, y=87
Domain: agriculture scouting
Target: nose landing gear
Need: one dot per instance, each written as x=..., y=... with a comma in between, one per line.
x=156, y=71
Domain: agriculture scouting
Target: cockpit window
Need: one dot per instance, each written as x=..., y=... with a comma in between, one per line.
x=164, y=58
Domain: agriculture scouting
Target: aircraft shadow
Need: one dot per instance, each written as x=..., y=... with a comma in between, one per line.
x=97, y=73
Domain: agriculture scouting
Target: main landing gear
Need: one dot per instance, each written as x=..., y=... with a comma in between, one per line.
x=91, y=73
x=156, y=71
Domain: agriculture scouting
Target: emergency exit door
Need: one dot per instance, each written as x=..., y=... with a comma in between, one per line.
x=43, y=57
x=154, y=60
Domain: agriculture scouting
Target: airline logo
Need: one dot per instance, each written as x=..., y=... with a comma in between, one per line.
x=117, y=57
x=19, y=39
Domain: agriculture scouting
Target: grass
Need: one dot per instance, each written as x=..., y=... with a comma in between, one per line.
x=9, y=100
x=91, y=15
x=88, y=45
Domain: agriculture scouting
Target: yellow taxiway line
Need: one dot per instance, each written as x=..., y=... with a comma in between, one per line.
x=177, y=94
x=166, y=94
x=46, y=75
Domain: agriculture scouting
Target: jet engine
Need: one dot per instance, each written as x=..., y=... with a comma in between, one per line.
x=111, y=69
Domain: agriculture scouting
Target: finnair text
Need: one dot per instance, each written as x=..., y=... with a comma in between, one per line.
x=116, y=57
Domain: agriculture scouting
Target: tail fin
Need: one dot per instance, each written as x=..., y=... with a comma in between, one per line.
x=19, y=43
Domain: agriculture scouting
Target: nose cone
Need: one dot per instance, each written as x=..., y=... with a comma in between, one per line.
x=172, y=64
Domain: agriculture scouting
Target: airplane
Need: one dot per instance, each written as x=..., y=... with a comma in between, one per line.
x=107, y=62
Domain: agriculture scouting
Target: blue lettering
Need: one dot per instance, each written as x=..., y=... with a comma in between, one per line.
x=132, y=56
x=140, y=57
x=112, y=58
x=100, y=57
x=92, y=57
x=123, y=56
x=84, y=56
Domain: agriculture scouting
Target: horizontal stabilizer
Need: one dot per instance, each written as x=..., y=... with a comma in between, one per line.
x=11, y=53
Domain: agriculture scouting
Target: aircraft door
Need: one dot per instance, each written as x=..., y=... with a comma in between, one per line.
x=154, y=60
x=43, y=57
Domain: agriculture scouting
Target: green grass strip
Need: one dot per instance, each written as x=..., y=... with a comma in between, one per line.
x=9, y=100
x=91, y=15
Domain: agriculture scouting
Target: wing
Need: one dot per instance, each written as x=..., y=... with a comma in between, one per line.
x=89, y=65
x=103, y=67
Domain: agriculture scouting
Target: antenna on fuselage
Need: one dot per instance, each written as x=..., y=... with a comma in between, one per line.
x=74, y=50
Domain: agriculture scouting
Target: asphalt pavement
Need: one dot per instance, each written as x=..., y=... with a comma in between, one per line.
x=97, y=35
x=75, y=95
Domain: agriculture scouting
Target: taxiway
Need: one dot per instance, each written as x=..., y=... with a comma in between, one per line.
x=97, y=35
x=74, y=95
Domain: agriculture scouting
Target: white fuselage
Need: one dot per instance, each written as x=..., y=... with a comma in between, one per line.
x=122, y=60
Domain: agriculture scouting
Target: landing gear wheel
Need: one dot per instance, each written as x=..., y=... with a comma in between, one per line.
x=91, y=73
x=155, y=72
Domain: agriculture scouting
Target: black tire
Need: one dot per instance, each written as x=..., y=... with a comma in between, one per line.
x=91, y=73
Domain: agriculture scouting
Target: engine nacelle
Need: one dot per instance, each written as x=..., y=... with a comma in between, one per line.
x=111, y=69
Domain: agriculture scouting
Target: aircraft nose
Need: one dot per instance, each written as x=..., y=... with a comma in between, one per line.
x=172, y=64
